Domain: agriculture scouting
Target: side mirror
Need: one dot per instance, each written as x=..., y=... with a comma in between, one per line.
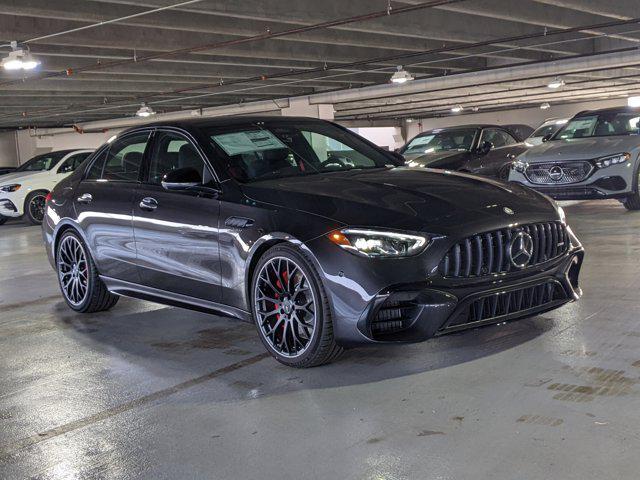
x=485, y=147
x=65, y=169
x=547, y=137
x=181, y=179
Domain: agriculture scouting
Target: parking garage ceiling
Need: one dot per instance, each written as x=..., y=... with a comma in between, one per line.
x=212, y=53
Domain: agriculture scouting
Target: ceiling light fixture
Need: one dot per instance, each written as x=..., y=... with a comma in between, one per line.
x=633, y=101
x=401, y=76
x=19, y=59
x=556, y=83
x=145, y=111
x=457, y=109
x=545, y=106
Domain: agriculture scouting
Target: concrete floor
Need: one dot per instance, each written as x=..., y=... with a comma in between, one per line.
x=146, y=391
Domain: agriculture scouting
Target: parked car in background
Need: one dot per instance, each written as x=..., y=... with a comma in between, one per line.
x=545, y=131
x=594, y=155
x=23, y=191
x=4, y=170
x=485, y=150
x=520, y=130
x=307, y=230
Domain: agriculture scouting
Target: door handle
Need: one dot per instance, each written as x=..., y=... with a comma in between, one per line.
x=149, y=204
x=85, y=198
x=238, y=222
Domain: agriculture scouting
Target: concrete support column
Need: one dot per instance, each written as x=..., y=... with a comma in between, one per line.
x=300, y=107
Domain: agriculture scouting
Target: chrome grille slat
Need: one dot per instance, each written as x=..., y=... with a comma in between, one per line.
x=487, y=253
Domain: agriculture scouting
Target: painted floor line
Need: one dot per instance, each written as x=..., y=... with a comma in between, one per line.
x=9, y=449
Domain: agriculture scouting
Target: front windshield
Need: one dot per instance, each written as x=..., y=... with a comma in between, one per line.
x=460, y=139
x=279, y=149
x=600, y=125
x=41, y=163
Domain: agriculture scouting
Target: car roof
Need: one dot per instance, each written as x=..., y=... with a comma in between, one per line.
x=225, y=121
x=471, y=125
x=601, y=111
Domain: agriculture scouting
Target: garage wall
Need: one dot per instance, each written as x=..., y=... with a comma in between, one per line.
x=384, y=137
x=30, y=143
x=528, y=116
x=8, y=151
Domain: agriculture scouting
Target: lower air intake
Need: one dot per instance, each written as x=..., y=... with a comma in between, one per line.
x=505, y=305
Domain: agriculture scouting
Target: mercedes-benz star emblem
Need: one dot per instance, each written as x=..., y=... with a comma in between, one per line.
x=520, y=249
x=507, y=210
x=556, y=173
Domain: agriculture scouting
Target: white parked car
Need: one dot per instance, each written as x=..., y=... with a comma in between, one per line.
x=545, y=131
x=23, y=191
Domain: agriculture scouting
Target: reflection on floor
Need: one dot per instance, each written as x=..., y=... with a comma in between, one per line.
x=146, y=391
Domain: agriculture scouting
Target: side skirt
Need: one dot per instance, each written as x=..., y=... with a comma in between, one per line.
x=128, y=289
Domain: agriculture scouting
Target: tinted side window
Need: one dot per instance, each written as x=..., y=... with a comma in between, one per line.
x=95, y=171
x=498, y=138
x=73, y=162
x=125, y=158
x=172, y=151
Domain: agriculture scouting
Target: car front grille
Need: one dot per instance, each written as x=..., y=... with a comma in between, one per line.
x=501, y=305
x=558, y=173
x=489, y=253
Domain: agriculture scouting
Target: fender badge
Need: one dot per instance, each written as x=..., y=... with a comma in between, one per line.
x=507, y=210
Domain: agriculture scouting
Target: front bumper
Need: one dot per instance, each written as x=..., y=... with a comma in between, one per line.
x=391, y=301
x=615, y=181
x=9, y=207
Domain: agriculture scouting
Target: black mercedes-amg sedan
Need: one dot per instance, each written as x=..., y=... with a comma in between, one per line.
x=306, y=229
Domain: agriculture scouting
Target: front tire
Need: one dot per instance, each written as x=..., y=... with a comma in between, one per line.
x=78, y=277
x=34, y=207
x=291, y=309
x=632, y=202
x=3, y=220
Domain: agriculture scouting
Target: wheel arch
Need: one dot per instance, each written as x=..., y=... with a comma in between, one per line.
x=259, y=248
x=61, y=228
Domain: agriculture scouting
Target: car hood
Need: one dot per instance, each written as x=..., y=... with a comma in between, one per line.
x=14, y=177
x=405, y=198
x=580, y=148
x=426, y=159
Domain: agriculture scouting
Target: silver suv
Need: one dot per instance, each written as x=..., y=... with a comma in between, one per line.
x=595, y=155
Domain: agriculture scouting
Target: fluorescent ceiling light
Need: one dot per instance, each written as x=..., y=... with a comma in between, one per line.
x=556, y=83
x=633, y=101
x=544, y=106
x=457, y=109
x=401, y=76
x=19, y=59
x=145, y=111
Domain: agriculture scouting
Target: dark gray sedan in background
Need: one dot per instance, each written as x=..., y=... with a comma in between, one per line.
x=306, y=229
x=486, y=150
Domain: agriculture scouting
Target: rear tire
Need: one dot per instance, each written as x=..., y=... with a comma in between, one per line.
x=3, y=220
x=34, y=207
x=291, y=309
x=78, y=277
x=632, y=202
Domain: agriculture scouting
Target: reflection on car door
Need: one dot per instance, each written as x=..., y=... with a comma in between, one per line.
x=177, y=231
x=103, y=204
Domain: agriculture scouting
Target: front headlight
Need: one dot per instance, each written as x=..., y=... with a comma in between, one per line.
x=10, y=188
x=519, y=166
x=374, y=243
x=604, y=162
